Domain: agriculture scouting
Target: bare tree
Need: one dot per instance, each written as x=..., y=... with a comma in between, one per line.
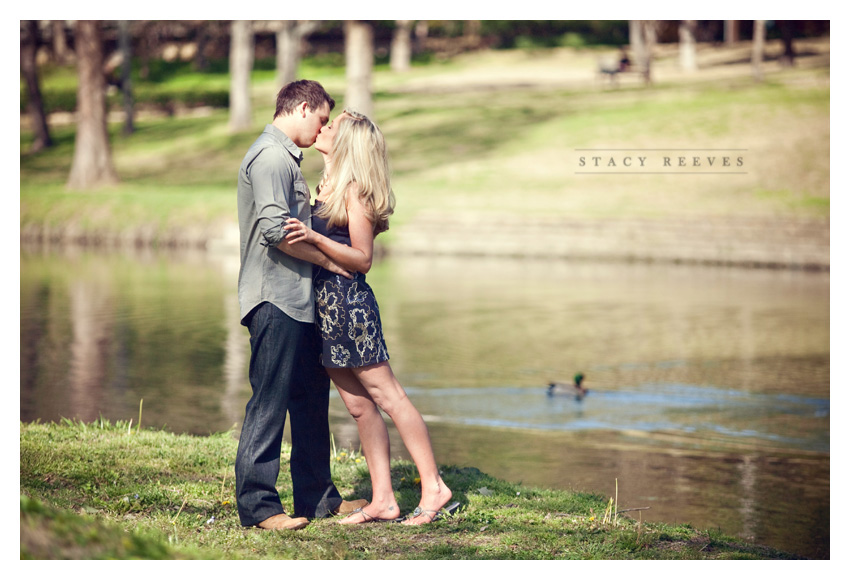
x=759, y=34
x=359, y=51
x=145, y=48
x=289, y=37
x=92, y=162
x=401, y=49
x=420, y=35
x=202, y=39
x=787, y=29
x=642, y=40
x=29, y=70
x=60, y=41
x=731, y=31
x=125, y=45
x=688, y=45
x=286, y=51
x=241, y=63
x=650, y=32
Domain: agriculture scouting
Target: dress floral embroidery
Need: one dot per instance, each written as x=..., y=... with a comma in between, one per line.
x=349, y=321
x=339, y=355
x=330, y=310
x=346, y=312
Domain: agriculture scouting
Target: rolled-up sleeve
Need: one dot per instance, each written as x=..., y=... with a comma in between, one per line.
x=272, y=182
x=270, y=189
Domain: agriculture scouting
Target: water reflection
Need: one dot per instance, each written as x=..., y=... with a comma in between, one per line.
x=101, y=332
x=236, y=355
x=709, y=387
x=709, y=412
x=769, y=496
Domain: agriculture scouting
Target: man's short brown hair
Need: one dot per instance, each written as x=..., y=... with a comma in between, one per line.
x=297, y=92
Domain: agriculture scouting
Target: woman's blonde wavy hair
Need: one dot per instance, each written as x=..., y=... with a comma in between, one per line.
x=359, y=156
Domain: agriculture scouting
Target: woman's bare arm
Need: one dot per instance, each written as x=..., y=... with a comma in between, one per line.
x=313, y=255
x=358, y=256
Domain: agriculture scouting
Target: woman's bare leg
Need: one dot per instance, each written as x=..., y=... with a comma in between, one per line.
x=376, y=446
x=384, y=389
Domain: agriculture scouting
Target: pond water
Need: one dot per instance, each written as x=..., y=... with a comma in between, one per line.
x=709, y=397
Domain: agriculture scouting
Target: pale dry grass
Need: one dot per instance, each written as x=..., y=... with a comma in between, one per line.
x=534, y=168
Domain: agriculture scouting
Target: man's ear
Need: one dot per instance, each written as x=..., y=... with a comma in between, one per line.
x=302, y=108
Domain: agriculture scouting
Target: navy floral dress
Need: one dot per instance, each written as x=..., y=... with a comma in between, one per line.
x=346, y=311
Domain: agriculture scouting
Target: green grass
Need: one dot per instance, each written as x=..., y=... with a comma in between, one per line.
x=496, y=148
x=114, y=491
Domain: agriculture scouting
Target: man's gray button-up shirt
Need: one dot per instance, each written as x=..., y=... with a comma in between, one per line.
x=270, y=190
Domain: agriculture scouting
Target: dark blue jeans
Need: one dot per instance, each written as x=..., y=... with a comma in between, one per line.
x=286, y=375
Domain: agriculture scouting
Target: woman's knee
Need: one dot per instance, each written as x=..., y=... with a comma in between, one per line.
x=361, y=408
x=393, y=402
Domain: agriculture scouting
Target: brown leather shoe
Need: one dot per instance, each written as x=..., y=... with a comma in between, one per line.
x=283, y=522
x=348, y=507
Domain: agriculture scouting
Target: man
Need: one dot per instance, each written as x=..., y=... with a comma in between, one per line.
x=276, y=304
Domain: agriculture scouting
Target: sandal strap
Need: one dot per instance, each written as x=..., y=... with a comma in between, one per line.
x=366, y=517
x=419, y=512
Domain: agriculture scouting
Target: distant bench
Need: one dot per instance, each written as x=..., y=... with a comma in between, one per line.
x=613, y=70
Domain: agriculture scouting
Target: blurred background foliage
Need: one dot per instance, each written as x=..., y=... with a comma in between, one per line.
x=164, y=80
x=487, y=112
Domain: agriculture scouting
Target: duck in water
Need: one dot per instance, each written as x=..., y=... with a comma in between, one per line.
x=575, y=389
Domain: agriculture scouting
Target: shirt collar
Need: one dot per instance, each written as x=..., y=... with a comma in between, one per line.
x=287, y=143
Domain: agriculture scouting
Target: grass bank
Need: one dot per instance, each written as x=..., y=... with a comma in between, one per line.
x=489, y=136
x=114, y=491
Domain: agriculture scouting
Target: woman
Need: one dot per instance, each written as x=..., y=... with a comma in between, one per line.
x=353, y=205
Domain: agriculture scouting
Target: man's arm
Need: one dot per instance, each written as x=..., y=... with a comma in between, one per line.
x=310, y=253
x=273, y=183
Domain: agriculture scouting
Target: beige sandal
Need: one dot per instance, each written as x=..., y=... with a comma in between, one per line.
x=439, y=514
x=368, y=519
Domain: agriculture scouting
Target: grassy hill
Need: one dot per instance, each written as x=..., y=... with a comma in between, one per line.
x=487, y=138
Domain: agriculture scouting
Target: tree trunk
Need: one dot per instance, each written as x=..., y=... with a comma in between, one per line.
x=289, y=38
x=642, y=39
x=359, y=52
x=637, y=41
x=688, y=45
x=144, y=50
x=400, y=49
x=731, y=31
x=60, y=42
x=759, y=34
x=29, y=70
x=92, y=163
x=787, y=29
x=650, y=38
x=287, y=52
x=125, y=45
x=241, y=63
x=420, y=35
x=202, y=39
